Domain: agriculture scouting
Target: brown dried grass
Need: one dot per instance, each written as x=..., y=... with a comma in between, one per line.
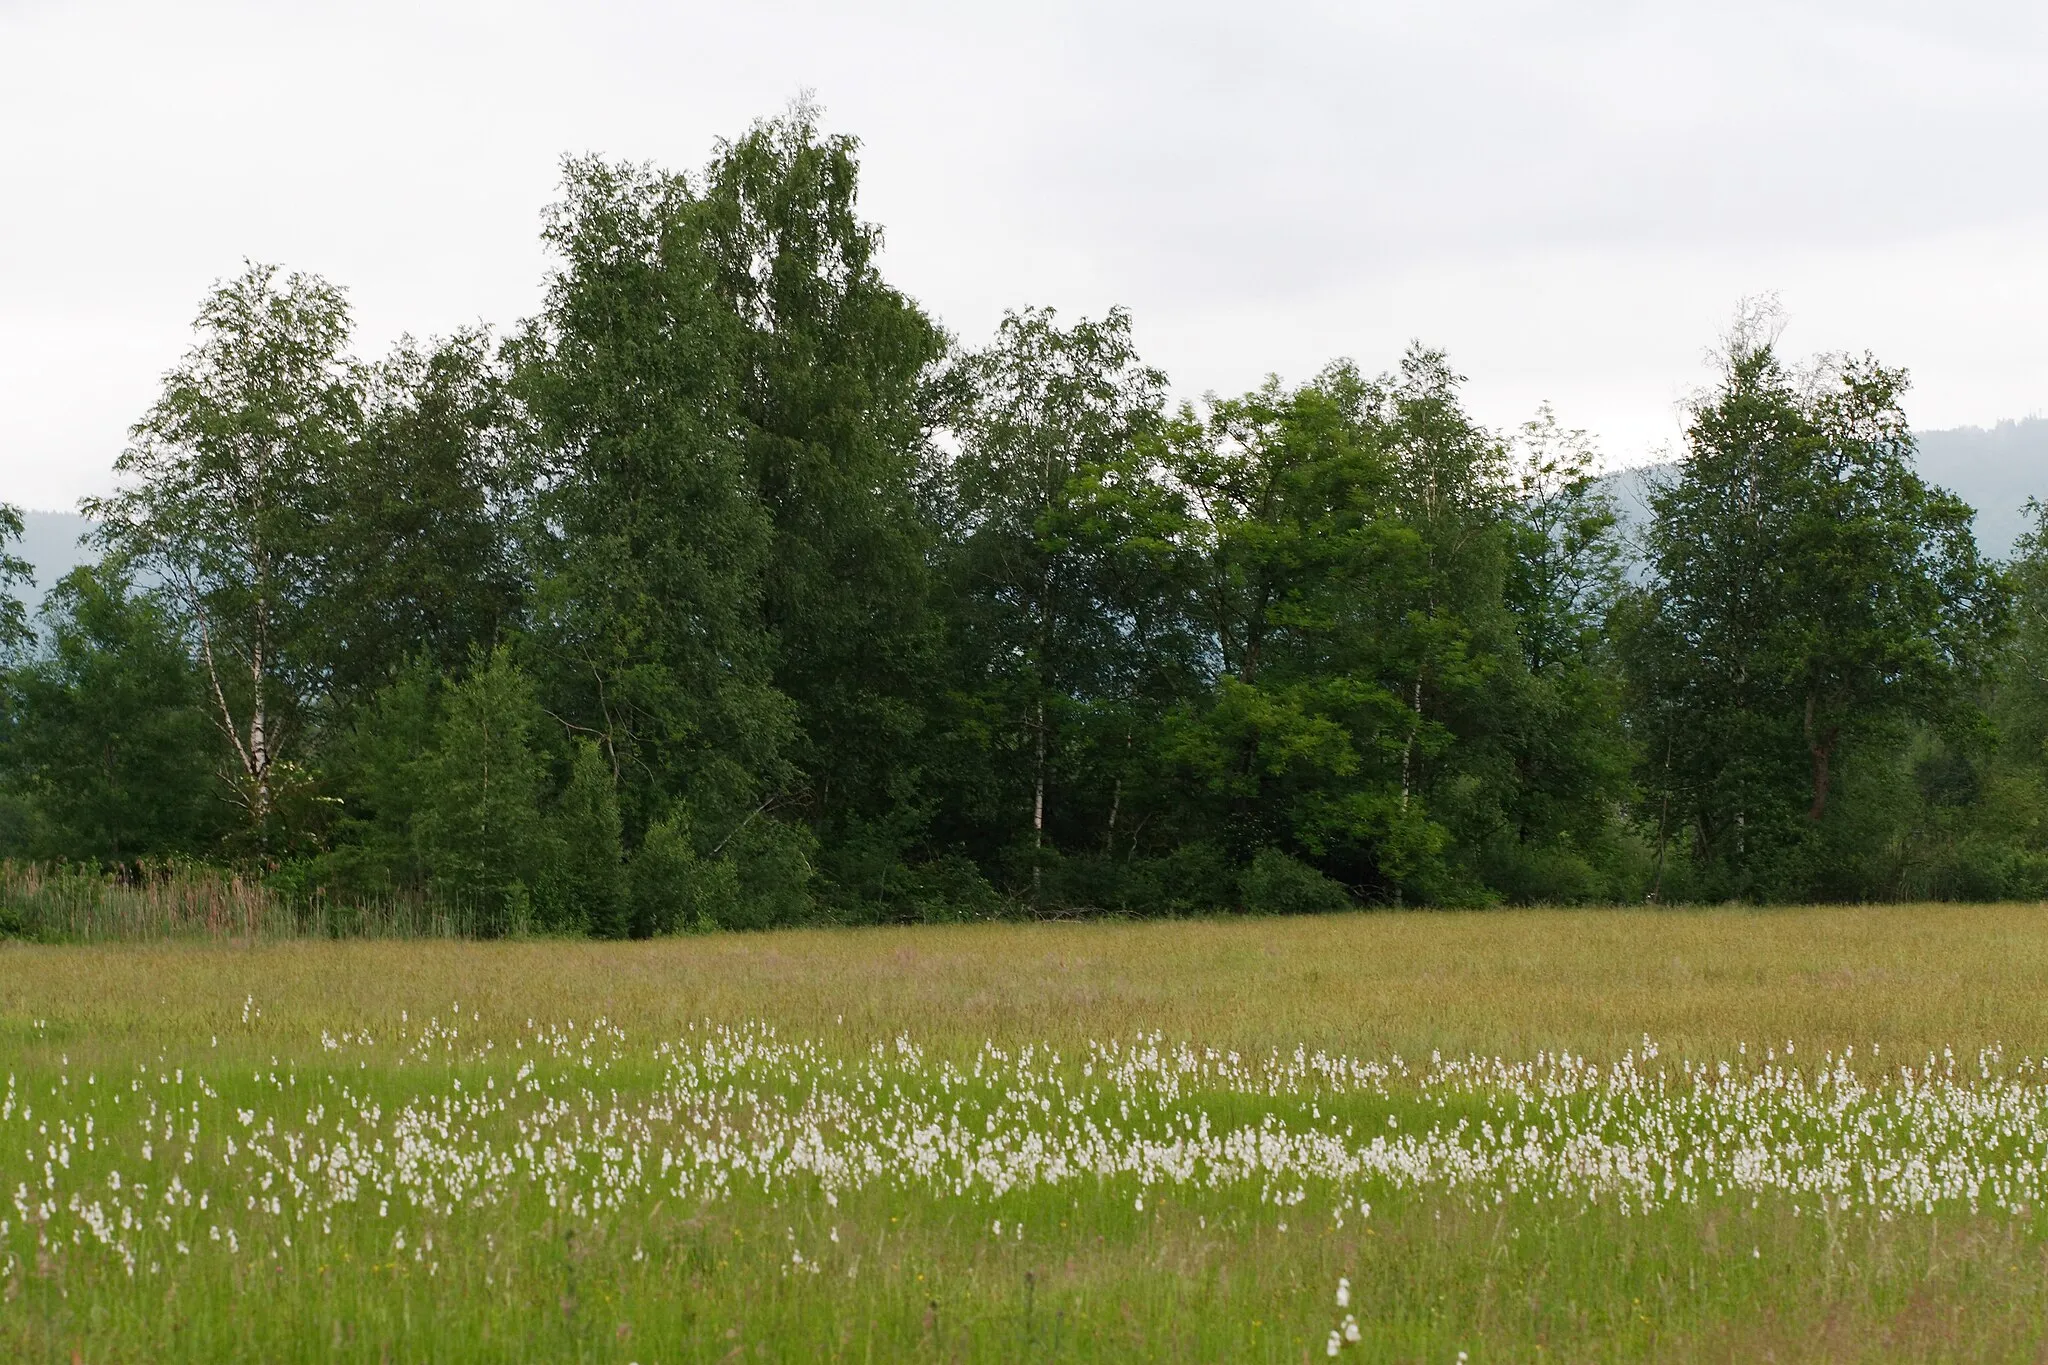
x=1700, y=982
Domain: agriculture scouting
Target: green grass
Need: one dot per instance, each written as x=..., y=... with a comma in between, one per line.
x=523, y=1095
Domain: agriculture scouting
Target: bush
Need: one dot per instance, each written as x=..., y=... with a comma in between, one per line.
x=588, y=880
x=665, y=884
x=1276, y=884
x=479, y=825
x=949, y=890
x=769, y=862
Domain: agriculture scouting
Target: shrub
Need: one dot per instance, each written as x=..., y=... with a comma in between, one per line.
x=588, y=879
x=665, y=882
x=1276, y=884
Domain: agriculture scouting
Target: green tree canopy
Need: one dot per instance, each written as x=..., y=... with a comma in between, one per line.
x=1809, y=592
x=110, y=753
x=220, y=503
x=651, y=545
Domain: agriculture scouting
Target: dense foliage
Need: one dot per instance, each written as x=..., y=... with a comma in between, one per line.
x=730, y=590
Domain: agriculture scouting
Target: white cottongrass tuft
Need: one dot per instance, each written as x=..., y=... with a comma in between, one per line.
x=732, y=1108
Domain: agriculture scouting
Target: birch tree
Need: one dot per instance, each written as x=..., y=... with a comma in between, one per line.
x=1810, y=596
x=217, y=504
x=1050, y=426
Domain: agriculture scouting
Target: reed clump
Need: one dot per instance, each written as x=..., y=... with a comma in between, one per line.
x=179, y=900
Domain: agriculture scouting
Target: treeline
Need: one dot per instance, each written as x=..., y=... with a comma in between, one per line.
x=731, y=591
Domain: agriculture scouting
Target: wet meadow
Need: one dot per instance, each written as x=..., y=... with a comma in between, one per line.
x=1584, y=1135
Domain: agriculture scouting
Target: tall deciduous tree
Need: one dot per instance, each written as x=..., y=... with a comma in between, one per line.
x=1571, y=755
x=1308, y=586
x=652, y=545
x=1896, y=612
x=1809, y=591
x=1053, y=512
x=831, y=374
x=219, y=500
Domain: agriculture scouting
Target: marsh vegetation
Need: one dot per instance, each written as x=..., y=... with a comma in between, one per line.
x=1597, y=1134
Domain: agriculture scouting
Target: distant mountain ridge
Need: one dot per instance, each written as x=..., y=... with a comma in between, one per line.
x=1995, y=470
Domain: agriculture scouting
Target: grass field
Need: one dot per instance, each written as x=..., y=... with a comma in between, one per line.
x=1728, y=1135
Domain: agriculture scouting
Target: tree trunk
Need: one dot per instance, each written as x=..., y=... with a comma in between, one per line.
x=1042, y=677
x=1116, y=801
x=1038, y=803
x=259, y=737
x=1820, y=746
x=1408, y=749
x=252, y=749
x=1663, y=827
x=1821, y=751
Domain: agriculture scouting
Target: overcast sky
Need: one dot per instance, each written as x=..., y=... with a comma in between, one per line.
x=1570, y=197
